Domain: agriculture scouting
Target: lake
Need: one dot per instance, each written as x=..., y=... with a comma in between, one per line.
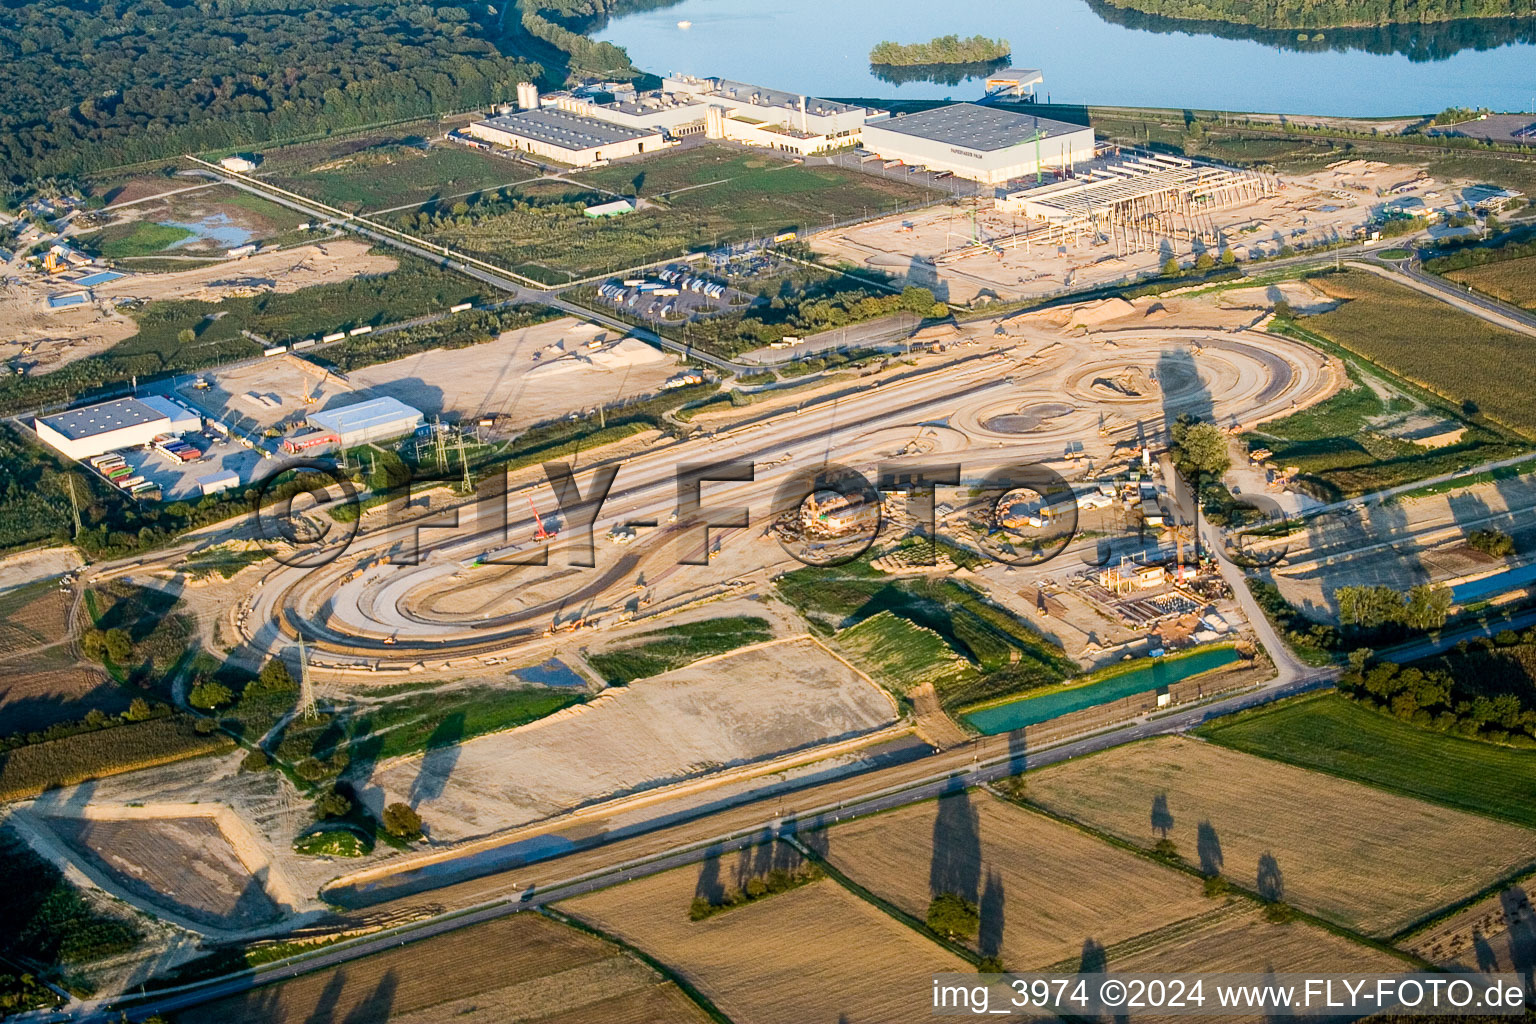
x=1032, y=709
x=1095, y=54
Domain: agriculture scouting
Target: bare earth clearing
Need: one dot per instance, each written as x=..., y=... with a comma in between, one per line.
x=1043, y=887
x=1365, y=858
x=816, y=953
x=732, y=710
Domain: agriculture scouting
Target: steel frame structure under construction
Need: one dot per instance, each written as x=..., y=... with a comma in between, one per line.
x=1135, y=205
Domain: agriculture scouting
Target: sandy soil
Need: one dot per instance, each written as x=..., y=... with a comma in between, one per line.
x=502, y=378
x=1368, y=859
x=61, y=337
x=816, y=953
x=29, y=566
x=732, y=710
x=1042, y=886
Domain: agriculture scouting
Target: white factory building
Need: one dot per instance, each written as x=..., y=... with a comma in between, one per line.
x=722, y=109
x=110, y=426
x=378, y=419
x=566, y=136
x=984, y=144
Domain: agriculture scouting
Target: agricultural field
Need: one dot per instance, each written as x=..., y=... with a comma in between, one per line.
x=525, y=967
x=1514, y=281
x=1366, y=859
x=816, y=952
x=899, y=653
x=191, y=221
x=1359, y=440
x=662, y=650
x=692, y=199
x=997, y=653
x=1239, y=939
x=1494, y=934
x=27, y=771
x=1404, y=332
x=386, y=171
x=1333, y=734
x=1041, y=885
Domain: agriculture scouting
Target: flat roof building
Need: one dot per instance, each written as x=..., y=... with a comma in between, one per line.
x=378, y=419
x=563, y=135
x=724, y=109
x=984, y=144
x=109, y=426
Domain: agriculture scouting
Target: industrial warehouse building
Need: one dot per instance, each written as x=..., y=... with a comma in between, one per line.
x=379, y=419
x=983, y=144
x=110, y=426
x=566, y=136
x=719, y=108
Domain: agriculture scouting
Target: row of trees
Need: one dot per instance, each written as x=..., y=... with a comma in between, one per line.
x=950, y=49
x=1423, y=609
x=1484, y=690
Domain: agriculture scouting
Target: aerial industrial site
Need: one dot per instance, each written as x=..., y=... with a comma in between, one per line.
x=666, y=548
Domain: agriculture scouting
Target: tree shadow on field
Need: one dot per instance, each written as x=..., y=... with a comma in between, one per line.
x=1482, y=949
x=376, y=1007
x=1520, y=919
x=1208, y=849
x=1162, y=817
x=328, y=1000
x=709, y=886
x=956, y=864
x=989, y=939
x=1270, y=882
x=441, y=758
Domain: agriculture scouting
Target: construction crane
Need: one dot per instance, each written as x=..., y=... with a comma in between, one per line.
x=539, y=533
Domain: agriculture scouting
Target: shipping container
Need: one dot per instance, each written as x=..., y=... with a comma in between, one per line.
x=275, y=350
x=461, y=307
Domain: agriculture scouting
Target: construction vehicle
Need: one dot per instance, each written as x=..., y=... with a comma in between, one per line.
x=539, y=533
x=54, y=263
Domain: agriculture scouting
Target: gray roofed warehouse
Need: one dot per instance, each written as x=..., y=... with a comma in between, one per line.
x=984, y=144
x=564, y=136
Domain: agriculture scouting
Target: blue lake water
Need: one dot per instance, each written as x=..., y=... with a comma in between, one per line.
x=1095, y=54
x=1157, y=673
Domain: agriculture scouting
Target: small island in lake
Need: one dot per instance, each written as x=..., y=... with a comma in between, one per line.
x=943, y=50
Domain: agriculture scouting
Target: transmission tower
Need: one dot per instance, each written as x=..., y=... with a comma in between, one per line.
x=306, y=684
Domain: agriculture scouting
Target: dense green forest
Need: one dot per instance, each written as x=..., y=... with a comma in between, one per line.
x=93, y=85
x=1314, y=14
x=950, y=49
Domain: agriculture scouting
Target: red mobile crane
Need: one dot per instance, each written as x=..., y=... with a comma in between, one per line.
x=539, y=533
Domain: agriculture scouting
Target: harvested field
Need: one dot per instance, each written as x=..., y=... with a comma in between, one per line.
x=1495, y=934
x=32, y=616
x=31, y=700
x=1369, y=860
x=1042, y=886
x=186, y=865
x=720, y=713
x=519, y=968
x=1513, y=281
x=1238, y=939
x=816, y=953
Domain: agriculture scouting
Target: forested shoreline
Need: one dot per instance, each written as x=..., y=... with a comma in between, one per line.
x=1320, y=14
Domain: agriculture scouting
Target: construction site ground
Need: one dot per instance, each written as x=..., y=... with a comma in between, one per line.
x=56, y=337
x=1310, y=209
